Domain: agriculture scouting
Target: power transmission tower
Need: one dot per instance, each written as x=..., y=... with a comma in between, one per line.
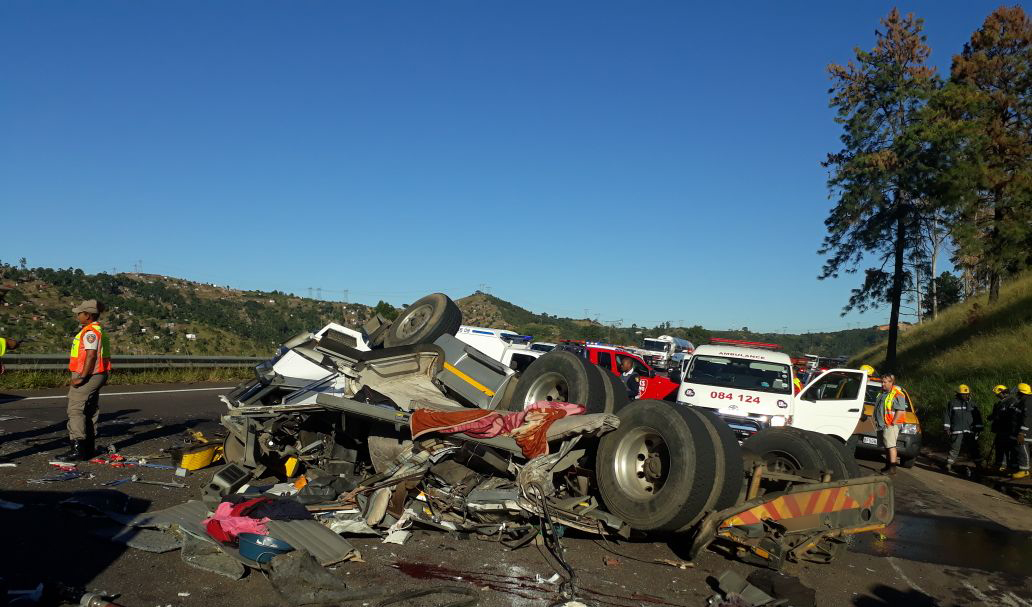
x=309, y=292
x=318, y=293
x=345, y=295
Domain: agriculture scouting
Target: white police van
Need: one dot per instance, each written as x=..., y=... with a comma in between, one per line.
x=750, y=386
x=507, y=347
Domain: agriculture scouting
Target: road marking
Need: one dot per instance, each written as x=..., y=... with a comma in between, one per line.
x=899, y=571
x=11, y=400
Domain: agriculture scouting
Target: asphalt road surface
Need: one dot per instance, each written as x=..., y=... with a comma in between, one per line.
x=953, y=543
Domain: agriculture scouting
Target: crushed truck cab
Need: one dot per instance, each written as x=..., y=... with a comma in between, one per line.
x=341, y=407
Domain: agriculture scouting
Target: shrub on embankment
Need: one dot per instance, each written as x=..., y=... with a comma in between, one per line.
x=971, y=343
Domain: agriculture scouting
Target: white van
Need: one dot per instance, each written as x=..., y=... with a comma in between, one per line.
x=507, y=347
x=751, y=388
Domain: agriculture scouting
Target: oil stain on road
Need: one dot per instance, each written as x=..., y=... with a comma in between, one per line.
x=949, y=541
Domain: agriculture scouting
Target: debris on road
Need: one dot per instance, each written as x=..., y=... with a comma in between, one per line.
x=143, y=481
x=67, y=475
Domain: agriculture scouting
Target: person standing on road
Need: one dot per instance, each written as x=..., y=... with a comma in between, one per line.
x=5, y=345
x=963, y=422
x=889, y=409
x=629, y=377
x=90, y=364
x=1001, y=421
x=1022, y=436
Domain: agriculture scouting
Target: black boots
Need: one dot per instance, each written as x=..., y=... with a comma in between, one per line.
x=80, y=451
x=890, y=469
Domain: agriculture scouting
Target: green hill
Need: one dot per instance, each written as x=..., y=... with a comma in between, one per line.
x=152, y=314
x=974, y=343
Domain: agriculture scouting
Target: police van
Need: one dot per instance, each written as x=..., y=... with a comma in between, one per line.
x=507, y=347
x=751, y=386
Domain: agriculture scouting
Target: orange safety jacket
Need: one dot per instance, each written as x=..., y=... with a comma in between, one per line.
x=798, y=385
x=77, y=359
x=893, y=417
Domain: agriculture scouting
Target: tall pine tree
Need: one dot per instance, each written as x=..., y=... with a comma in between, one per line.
x=878, y=176
x=991, y=86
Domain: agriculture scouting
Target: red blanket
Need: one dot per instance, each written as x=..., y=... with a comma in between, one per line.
x=529, y=428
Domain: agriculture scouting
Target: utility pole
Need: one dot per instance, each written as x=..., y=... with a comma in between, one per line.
x=345, y=296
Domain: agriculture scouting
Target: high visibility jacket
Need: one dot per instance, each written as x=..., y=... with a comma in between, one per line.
x=3, y=346
x=962, y=416
x=77, y=358
x=797, y=384
x=886, y=411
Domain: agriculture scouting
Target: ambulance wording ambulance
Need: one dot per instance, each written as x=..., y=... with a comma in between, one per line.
x=750, y=386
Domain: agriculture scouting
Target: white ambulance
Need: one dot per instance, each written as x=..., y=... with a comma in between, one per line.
x=750, y=385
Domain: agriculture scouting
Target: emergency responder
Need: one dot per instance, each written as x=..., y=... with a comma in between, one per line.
x=1001, y=420
x=889, y=409
x=5, y=345
x=1021, y=425
x=963, y=422
x=90, y=364
x=629, y=377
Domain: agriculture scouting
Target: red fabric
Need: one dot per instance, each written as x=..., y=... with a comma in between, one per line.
x=230, y=520
x=529, y=428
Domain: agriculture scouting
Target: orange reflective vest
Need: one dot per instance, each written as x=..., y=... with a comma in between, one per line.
x=797, y=384
x=893, y=417
x=77, y=359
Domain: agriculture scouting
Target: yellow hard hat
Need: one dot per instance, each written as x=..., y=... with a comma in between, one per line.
x=868, y=368
x=1024, y=389
x=963, y=389
x=999, y=388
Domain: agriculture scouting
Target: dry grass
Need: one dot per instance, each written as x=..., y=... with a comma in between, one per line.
x=38, y=380
x=971, y=343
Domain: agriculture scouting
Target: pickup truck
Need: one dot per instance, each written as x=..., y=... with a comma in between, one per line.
x=651, y=385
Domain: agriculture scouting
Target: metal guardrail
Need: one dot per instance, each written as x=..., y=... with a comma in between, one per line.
x=50, y=362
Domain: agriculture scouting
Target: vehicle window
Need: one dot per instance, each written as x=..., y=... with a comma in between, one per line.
x=741, y=373
x=520, y=362
x=639, y=367
x=605, y=360
x=839, y=385
x=654, y=345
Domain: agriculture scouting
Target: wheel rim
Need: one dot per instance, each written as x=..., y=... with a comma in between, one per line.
x=414, y=321
x=548, y=387
x=641, y=462
x=779, y=461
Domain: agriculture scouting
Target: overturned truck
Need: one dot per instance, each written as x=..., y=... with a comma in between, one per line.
x=404, y=420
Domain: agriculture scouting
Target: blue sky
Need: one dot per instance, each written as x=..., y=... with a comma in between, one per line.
x=644, y=161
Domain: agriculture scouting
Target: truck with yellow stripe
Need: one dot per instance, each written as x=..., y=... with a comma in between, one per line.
x=336, y=406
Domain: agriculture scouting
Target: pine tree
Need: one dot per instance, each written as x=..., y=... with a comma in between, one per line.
x=879, y=176
x=991, y=85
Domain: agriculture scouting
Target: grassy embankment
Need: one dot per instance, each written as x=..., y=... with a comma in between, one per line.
x=38, y=380
x=973, y=343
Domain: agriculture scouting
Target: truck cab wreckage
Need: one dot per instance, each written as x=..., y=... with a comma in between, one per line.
x=403, y=423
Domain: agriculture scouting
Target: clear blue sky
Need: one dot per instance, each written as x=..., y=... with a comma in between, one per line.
x=647, y=161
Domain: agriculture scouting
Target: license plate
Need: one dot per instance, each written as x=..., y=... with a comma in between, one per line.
x=870, y=440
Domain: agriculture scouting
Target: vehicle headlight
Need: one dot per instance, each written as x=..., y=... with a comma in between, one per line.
x=909, y=429
x=777, y=420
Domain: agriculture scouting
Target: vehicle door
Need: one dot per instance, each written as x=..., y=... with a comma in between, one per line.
x=832, y=403
x=645, y=373
x=605, y=360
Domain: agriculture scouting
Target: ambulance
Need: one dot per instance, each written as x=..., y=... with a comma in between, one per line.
x=750, y=386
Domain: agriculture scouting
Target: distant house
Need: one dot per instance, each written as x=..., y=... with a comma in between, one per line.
x=191, y=336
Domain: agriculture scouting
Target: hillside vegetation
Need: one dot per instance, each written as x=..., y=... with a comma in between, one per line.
x=974, y=343
x=152, y=314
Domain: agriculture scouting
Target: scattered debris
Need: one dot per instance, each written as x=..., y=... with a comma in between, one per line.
x=143, y=481
x=67, y=475
x=675, y=563
x=609, y=561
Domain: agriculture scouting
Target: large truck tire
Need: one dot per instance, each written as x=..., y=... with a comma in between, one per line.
x=785, y=450
x=615, y=390
x=848, y=459
x=656, y=470
x=834, y=462
x=564, y=377
x=729, y=489
x=424, y=321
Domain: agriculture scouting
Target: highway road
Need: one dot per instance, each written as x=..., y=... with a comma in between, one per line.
x=954, y=542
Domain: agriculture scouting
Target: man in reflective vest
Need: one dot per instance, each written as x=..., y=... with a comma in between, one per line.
x=90, y=364
x=5, y=345
x=889, y=409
